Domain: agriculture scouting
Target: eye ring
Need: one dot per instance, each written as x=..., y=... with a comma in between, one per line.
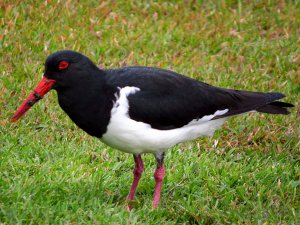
x=63, y=65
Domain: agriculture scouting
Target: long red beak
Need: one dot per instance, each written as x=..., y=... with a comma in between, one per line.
x=44, y=86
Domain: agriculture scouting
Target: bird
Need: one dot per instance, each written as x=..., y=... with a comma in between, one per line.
x=139, y=109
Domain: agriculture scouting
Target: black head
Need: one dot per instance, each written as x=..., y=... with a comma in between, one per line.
x=68, y=68
x=63, y=69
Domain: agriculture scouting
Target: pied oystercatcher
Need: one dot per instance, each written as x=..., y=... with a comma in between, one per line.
x=141, y=109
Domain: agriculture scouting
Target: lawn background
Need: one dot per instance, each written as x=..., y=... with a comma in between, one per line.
x=247, y=173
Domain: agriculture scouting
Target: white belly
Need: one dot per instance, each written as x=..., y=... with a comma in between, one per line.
x=131, y=136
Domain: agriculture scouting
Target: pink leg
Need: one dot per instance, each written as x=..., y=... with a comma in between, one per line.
x=159, y=177
x=137, y=173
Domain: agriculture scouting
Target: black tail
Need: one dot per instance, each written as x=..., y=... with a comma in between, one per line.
x=275, y=108
x=246, y=101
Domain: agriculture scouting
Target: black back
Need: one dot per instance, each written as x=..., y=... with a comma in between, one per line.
x=168, y=100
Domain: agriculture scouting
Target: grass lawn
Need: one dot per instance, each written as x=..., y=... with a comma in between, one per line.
x=247, y=173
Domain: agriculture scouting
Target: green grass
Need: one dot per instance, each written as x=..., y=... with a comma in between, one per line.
x=53, y=173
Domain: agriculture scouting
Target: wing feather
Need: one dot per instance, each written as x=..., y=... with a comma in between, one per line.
x=169, y=100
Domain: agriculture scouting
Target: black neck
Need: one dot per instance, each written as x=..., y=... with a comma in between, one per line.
x=88, y=104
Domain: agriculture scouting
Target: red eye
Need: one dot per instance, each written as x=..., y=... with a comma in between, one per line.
x=63, y=65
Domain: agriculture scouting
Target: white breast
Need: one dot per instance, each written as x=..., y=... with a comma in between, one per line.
x=128, y=135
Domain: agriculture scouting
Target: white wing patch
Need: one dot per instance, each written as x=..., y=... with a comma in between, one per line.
x=128, y=135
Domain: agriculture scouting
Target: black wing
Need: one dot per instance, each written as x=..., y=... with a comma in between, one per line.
x=168, y=100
